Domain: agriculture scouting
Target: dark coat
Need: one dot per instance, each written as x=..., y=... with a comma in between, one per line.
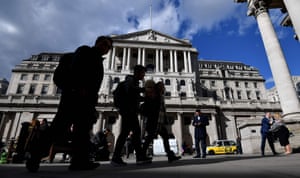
x=200, y=130
x=265, y=126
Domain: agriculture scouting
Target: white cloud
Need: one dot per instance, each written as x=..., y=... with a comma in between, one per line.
x=34, y=26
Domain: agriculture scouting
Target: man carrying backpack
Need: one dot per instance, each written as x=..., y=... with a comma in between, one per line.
x=78, y=101
x=129, y=105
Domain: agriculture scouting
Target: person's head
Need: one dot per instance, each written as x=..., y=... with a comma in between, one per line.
x=197, y=112
x=104, y=43
x=268, y=115
x=277, y=116
x=139, y=72
x=150, y=88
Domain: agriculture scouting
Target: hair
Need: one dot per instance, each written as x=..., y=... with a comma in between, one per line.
x=198, y=110
x=277, y=115
x=149, y=88
x=101, y=39
x=139, y=68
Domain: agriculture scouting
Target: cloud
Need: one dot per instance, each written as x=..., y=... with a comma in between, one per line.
x=33, y=26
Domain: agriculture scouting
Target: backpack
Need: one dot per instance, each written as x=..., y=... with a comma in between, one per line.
x=119, y=94
x=62, y=72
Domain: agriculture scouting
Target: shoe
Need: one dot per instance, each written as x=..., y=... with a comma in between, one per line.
x=83, y=166
x=203, y=156
x=173, y=158
x=197, y=156
x=144, y=160
x=117, y=162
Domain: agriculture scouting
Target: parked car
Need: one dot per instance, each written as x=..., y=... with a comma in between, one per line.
x=222, y=147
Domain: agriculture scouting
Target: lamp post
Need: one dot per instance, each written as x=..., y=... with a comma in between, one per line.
x=288, y=97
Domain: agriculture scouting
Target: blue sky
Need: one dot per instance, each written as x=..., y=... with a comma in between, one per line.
x=219, y=29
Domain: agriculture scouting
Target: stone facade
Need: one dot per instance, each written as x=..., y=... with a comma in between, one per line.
x=273, y=94
x=231, y=94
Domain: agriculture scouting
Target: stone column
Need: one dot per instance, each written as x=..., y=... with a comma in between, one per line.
x=124, y=59
x=139, y=56
x=171, y=61
x=143, y=56
x=288, y=97
x=108, y=60
x=99, y=124
x=156, y=60
x=112, y=67
x=128, y=59
x=177, y=130
x=161, y=60
x=189, y=62
x=212, y=128
x=293, y=7
x=185, y=61
x=175, y=61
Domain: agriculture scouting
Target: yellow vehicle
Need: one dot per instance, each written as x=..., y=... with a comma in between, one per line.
x=222, y=147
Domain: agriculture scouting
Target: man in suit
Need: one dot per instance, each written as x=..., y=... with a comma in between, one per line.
x=266, y=123
x=200, y=122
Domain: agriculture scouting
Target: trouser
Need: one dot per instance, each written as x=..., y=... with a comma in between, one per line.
x=202, y=141
x=152, y=130
x=79, y=115
x=129, y=123
x=269, y=137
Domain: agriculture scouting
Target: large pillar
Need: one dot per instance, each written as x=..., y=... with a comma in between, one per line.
x=281, y=74
x=139, y=56
x=171, y=61
x=156, y=61
x=112, y=67
x=177, y=130
x=293, y=7
x=175, y=61
x=161, y=60
x=128, y=59
x=124, y=58
x=185, y=62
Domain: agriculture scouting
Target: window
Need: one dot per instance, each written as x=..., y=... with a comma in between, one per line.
x=237, y=84
x=239, y=95
x=182, y=94
x=257, y=95
x=45, y=89
x=167, y=93
x=32, y=89
x=248, y=95
x=116, y=80
x=35, y=77
x=203, y=82
x=47, y=77
x=24, y=77
x=182, y=82
x=20, y=88
x=167, y=82
x=212, y=83
x=246, y=85
x=255, y=85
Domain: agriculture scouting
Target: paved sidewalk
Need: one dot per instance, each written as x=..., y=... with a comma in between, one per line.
x=231, y=166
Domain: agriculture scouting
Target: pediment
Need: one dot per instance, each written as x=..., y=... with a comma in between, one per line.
x=151, y=36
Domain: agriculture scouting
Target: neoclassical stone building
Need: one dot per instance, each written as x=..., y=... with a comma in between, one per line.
x=231, y=94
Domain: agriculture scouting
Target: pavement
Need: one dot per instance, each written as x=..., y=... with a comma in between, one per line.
x=218, y=166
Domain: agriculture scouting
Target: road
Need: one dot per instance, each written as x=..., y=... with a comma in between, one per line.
x=223, y=166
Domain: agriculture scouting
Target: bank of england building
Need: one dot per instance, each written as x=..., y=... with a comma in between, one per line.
x=231, y=94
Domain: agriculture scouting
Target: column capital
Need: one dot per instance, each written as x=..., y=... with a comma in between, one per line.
x=256, y=7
